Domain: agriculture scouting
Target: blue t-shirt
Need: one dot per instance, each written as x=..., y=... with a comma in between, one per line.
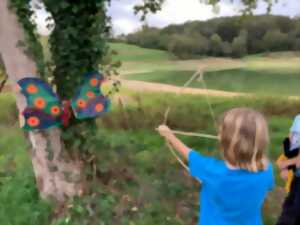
x=229, y=197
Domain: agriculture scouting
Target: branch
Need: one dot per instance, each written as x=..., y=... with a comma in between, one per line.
x=152, y=6
x=149, y=6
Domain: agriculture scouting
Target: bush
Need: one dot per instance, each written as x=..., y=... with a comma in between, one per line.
x=216, y=47
x=239, y=45
x=275, y=40
x=186, y=47
x=226, y=48
x=264, y=32
x=296, y=45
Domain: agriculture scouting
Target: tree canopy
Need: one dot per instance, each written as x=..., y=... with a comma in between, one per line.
x=228, y=36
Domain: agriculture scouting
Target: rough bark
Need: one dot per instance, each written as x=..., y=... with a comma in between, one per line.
x=57, y=177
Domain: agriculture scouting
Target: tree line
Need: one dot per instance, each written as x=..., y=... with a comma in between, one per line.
x=226, y=36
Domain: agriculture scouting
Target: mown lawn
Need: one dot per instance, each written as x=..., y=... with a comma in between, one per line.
x=264, y=74
x=264, y=82
x=134, y=53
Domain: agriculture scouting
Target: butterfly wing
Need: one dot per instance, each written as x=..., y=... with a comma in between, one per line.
x=43, y=106
x=89, y=102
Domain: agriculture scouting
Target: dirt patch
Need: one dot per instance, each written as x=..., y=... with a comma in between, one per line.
x=142, y=86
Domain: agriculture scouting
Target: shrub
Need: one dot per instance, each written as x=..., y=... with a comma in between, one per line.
x=216, y=45
x=239, y=45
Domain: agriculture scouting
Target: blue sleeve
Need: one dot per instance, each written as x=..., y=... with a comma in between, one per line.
x=200, y=166
x=271, y=183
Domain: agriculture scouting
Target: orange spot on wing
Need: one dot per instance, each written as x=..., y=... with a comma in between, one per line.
x=99, y=107
x=32, y=89
x=33, y=121
x=90, y=94
x=94, y=82
x=55, y=110
x=40, y=103
x=81, y=103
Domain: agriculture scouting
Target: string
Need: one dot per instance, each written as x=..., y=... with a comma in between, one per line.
x=198, y=74
x=213, y=116
x=166, y=115
x=179, y=92
x=209, y=136
x=176, y=156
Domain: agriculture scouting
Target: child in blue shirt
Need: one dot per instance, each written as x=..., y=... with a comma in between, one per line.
x=233, y=190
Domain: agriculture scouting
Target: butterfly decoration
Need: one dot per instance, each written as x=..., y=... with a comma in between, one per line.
x=44, y=108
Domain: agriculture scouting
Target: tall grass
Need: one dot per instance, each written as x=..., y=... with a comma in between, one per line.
x=137, y=180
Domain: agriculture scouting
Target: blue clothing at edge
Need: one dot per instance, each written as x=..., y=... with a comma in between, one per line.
x=229, y=197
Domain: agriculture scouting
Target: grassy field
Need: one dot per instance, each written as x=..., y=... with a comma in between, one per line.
x=267, y=74
x=265, y=82
x=141, y=183
x=153, y=181
x=135, y=53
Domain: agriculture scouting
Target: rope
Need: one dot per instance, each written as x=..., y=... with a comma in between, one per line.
x=213, y=116
x=186, y=84
x=177, y=157
x=198, y=74
x=209, y=136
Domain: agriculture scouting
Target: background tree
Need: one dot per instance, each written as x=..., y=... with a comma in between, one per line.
x=239, y=45
x=275, y=40
x=51, y=170
x=258, y=29
x=226, y=48
x=216, y=45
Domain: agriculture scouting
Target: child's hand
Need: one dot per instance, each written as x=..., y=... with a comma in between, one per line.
x=282, y=165
x=164, y=131
x=284, y=174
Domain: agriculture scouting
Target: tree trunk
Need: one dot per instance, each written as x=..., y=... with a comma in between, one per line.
x=57, y=177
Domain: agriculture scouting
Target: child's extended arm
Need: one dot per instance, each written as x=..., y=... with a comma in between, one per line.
x=174, y=141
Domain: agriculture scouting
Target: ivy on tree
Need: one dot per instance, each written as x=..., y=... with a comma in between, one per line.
x=77, y=45
x=32, y=46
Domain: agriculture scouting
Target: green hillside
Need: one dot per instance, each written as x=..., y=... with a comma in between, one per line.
x=128, y=52
x=269, y=74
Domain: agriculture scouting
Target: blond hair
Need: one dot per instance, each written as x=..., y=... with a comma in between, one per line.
x=244, y=137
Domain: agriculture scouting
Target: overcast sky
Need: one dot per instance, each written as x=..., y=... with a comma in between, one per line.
x=176, y=12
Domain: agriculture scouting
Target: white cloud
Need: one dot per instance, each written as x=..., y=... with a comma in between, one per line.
x=174, y=12
x=125, y=26
x=40, y=17
x=41, y=21
x=180, y=11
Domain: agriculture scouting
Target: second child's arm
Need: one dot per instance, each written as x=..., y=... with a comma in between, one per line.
x=174, y=141
x=286, y=163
